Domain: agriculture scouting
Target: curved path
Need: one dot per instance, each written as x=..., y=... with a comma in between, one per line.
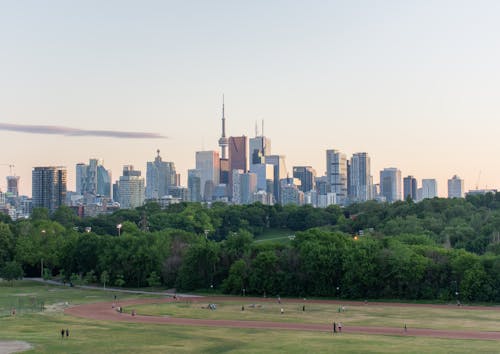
x=104, y=311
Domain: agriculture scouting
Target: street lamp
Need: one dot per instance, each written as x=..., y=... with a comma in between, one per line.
x=119, y=228
x=41, y=262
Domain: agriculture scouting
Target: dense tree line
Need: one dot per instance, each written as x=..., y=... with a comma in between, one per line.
x=438, y=249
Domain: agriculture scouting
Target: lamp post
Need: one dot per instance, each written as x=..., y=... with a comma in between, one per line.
x=41, y=262
x=119, y=228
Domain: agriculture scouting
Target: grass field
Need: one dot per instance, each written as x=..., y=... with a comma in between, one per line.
x=363, y=315
x=275, y=235
x=88, y=336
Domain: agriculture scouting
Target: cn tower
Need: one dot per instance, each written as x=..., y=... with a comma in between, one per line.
x=223, y=140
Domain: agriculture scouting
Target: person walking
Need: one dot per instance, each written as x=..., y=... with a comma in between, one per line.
x=334, y=327
x=405, y=328
x=67, y=333
x=62, y=333
x=340, y=327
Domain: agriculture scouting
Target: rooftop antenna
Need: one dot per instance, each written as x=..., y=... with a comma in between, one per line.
x=262, y=127
x=256, y=130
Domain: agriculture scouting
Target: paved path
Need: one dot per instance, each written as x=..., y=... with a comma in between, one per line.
x=118, y=290
x=13, y=346
x=105, y=312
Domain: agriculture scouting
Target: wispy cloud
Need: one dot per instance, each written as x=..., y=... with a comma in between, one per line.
x=58, y=130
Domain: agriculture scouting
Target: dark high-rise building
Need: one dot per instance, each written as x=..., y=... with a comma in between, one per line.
x=48, y=187
x=13, y=185
x=306, y=175
x=238, y=155
x=410, y=188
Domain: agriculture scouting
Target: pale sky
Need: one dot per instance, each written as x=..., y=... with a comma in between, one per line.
x=416, y=84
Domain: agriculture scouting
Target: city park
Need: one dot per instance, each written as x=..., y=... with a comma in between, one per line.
x=111, y=320
x=255, y=279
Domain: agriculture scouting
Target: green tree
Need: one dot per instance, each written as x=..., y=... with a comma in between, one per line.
x=12, y=271
x=237, y=279
x=65, y=216
x=104, y=278
x=7, y=243
x=40, y=214
x=153, y=280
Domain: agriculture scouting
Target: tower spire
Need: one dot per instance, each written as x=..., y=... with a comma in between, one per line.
x=223, y=142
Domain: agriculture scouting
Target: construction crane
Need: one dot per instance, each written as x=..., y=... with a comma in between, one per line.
x=478, y=179
x=11, y=166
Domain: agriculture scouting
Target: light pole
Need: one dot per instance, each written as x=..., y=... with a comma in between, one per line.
x=41, y=262
x=119, y=228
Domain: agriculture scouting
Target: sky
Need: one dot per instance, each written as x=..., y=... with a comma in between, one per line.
x=413, y=83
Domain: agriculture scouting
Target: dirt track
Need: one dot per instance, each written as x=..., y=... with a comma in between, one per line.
x=104, y=311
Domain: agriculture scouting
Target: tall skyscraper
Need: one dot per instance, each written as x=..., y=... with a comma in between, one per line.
x=260, y=146
x=290, y=192
x=208, y=163
x=160, y=176
x=360, y=178
x=280, y=172
x=429, y=188
x=410, y=188
x=455, y=187
x=104, y=184
x=238, y=155
x=336, y=171
x=93, y=179
x=194, y=185
x=131, y=188
x=265, y=176
x=48, y=187
x=244, y=186
x=390, y=184
x=306, y=175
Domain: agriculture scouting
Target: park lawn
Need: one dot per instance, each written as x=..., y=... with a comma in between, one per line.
x=25, y=293
x=275, y=235
x=86, y=336
x=452, y=318
x=42, y=330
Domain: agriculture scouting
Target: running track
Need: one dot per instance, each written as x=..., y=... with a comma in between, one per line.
x=104, y=311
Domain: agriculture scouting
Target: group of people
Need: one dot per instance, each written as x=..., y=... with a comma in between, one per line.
x=64, y=333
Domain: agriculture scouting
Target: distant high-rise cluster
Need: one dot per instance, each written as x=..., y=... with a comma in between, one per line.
x=244, y=170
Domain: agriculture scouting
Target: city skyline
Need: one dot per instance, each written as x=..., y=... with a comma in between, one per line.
x=412, y=84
